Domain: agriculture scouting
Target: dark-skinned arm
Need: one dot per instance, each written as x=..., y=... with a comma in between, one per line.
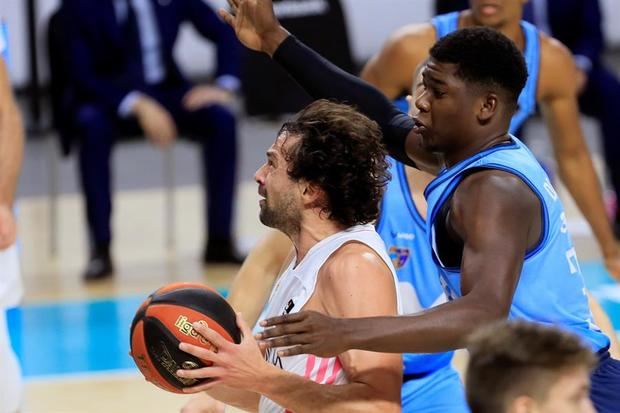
x=560, y=109
x=492, y=260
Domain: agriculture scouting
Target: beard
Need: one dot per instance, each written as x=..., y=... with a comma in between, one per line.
x=284, y=215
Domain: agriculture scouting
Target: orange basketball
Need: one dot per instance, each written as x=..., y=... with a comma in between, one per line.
x=165, y=319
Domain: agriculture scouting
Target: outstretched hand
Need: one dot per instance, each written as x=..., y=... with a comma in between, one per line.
x=306, y=332
x=255, y=24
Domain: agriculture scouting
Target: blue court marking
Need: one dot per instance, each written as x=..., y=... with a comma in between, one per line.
x=73, y=337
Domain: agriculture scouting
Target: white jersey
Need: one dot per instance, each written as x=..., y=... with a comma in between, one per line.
x=293, y=290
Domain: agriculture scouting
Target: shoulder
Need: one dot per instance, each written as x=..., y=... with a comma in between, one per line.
x=486, y=193
x=411, y=40
x=355, y=277
x=557, y=68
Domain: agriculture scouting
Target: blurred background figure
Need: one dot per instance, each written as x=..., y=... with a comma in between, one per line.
x=518, y=367
x=126, y=81
x=578, y=25
x=11, y=150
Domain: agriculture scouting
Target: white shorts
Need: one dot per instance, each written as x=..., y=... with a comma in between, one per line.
x=11, y=288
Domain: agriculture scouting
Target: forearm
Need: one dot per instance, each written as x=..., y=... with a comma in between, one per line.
x=298, y=394
x=577, y=173
x=442, y=328
x=11, y=151
x=241, y=399
x=324, y=80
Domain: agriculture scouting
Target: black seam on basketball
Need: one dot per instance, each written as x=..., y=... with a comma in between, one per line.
x=196, y=299
x=163, y=350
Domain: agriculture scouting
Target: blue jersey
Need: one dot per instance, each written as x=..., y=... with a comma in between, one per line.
x=403, y=230
x=447, y=23
x=551, y=289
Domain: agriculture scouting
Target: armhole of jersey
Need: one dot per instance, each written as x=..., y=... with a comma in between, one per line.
x=544, y=212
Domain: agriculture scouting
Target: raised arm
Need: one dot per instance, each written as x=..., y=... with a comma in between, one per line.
x=561, y=112
x=257, y=28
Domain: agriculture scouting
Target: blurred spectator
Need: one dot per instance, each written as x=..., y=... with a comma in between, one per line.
x=578, y=24
x=126, y=82
x=520, y=367
x=11, y=150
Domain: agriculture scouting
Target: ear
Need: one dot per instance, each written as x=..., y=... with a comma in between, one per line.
x=310, y=193
x=488, y=107
x=523, y=404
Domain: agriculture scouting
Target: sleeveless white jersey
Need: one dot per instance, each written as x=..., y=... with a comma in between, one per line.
x=293, y=290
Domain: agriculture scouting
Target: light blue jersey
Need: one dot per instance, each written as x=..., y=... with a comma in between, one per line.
x=434, y=385
x=447, y=23
x=551, y=289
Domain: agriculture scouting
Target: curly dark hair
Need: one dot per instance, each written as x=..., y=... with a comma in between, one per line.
x=486, y=57
x=341, y=151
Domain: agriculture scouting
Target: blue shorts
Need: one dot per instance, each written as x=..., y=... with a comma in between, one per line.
x=605, y=391
x=439, y=392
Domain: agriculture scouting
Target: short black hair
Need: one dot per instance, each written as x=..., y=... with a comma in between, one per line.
x=486, y=57
x=341, y=151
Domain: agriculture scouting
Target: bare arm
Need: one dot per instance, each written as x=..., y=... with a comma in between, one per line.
x=560, y=109
x=251, y=287
x=11, y=154
x=494, y=250
x=392, y=69
x=354, y=282
x=352, y=285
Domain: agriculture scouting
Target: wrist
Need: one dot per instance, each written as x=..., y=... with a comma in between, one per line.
x=268, y=380
x=346, y=330
x=273, y=39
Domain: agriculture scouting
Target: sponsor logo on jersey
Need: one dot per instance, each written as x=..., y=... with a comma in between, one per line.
x=399, y=256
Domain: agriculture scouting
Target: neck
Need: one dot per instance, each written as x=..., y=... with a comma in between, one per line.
x=312, y=230
x=474, y=148
x=511, y=29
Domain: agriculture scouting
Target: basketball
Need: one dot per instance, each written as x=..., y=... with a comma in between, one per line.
x=165, y=319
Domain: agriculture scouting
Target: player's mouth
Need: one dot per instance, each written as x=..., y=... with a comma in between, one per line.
x=488, y=9
x=419, y=127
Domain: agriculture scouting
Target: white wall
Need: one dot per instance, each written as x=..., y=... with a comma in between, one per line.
x=369, y=21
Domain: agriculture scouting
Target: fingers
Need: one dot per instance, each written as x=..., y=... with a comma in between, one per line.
x=283, y=319
x=214, y=338
x=200, y=352
x=227, y=17
x=295, y=350
x=234, y=5
x=203, y=373
x=201, y=387
x=282, y=330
